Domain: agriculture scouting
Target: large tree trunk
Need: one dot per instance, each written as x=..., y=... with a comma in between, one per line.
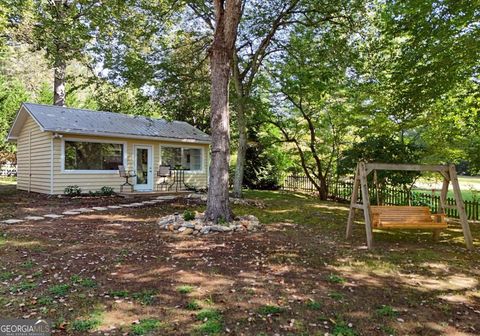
x=59, y=74
x=227, y=17
x=60, y=66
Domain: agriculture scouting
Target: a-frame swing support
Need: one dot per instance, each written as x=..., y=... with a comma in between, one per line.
x=360, y=187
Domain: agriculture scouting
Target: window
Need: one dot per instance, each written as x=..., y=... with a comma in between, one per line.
x=186, y=158
x=92, y=155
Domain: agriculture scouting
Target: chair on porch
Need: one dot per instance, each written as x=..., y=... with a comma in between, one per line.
x=164, y=172
x=126, y=175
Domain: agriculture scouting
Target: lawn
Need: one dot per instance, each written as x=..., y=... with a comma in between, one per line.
x=116, y=273
x=469, y=185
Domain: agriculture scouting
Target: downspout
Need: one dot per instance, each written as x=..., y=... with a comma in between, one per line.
x=29, y=161
x=51, y=165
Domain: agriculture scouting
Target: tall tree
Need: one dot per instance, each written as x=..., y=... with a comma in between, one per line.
x=264, y=34
x=227, y=18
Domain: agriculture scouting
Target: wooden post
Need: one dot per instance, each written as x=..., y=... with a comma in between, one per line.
x=461, y=207
x=366, y=203
x=353, y=202
x=443, y=194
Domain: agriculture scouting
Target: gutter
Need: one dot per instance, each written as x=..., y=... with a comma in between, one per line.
x=129, y=136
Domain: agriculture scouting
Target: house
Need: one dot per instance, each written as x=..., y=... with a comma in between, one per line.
x=59, y=147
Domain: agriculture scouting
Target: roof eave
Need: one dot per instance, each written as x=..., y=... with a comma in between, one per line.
x=131, y=136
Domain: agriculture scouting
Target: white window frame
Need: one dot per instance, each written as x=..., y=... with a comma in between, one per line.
x=87, y=171
x=202, y=155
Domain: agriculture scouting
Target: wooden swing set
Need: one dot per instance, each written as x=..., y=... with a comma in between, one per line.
x=406, y=217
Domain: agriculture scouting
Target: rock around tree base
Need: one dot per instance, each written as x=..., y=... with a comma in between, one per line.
x=199, y=226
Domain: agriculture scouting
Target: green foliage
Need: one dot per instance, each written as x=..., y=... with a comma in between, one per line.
x=146, y=326
x=185, y=289
x=84, y=325
x=106, y=191
x=28, y=264
x=59, y=290
x=387, y=311
x=270, y=310
x=212, y=322
x=342, y=329
x=386, y=149
x=188, y=215
x=145, y=297
x=334, y=278
x=72, y=190
x=119, y=293
x=4, y=276
x=45, y=300
x=192, y=305
x=209, y=314
x=313, y=305
x=23, y=286
x=210, y=327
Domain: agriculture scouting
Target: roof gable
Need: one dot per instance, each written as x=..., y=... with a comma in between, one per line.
x=20, y=119
x=79, y=121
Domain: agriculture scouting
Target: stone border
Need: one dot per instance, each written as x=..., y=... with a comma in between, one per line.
x=74, y=212
x=158, y=199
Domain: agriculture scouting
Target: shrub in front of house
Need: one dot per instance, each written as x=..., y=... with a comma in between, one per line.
x=72, y=190
x=106, y=191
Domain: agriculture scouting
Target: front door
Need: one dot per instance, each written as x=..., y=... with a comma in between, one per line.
x=143, y=168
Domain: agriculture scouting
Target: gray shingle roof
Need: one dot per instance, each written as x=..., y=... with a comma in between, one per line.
x=79, y=121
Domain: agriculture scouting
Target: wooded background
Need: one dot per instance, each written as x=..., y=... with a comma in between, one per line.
x=316, y=85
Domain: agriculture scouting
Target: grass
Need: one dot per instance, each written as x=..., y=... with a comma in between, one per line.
x=145, y=297
x=193, y=305
x=313, y=305
x=336, y=279
x=146, y=326
x=270, y=310
x=59, y=290
x=212, y=322
x=88, y=324
x=185, y=289
x=88, y=282
x=23, y=286
x=28, y=264
x=4, y=276
x=342, y=329
x=386, y=311
x=122, y=293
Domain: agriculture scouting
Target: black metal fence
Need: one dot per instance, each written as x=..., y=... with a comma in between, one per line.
x=342, y=190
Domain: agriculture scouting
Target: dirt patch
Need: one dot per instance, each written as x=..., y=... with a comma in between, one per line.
x=119, y=273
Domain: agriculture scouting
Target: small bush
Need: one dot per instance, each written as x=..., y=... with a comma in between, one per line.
x=106, y=191
x=188, y=215
x=72, y=190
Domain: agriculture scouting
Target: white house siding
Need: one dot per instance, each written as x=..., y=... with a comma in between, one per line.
x=33, y=158
x=93, y=182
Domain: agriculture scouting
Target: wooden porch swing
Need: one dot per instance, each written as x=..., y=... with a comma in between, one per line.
x=406, y=217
